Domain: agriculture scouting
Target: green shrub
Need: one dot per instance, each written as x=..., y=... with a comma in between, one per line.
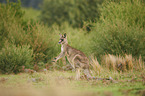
x=16, y=30
x=121, y=29
x=130, y=12
x=10, y=13
x=12, y=58
x=74, y=12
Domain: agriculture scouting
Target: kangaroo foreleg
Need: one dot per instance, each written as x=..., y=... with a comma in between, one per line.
x=59, y=56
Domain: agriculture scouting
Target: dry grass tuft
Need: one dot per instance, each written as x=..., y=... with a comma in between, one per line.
x=95, y=65
x=120, y=63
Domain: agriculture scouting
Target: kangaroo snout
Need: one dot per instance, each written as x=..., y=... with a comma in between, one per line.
x=59, y=42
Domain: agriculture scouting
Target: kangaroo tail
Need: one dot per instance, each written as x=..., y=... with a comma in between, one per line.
x=96, y=78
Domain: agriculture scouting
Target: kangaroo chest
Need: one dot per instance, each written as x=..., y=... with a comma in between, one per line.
x=62, y=48
x=68, y=53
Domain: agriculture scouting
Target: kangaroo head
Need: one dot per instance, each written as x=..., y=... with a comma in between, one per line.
x=63, y=39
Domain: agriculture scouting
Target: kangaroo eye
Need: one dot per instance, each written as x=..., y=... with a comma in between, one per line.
x=61, y=39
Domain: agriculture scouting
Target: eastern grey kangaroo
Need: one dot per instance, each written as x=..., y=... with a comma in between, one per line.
x=76, y=58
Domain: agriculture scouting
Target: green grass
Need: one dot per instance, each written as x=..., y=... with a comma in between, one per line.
x=58, y=80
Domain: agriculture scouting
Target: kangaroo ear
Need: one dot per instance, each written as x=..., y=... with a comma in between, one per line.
x=64, y=35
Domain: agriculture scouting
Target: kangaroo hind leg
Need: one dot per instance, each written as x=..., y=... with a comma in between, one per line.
x=78, y=73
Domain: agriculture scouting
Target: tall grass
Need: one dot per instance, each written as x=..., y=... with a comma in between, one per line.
x=117, y=63
x=94, y=64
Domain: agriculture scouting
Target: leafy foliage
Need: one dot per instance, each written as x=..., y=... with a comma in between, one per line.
x=10, y=13
x=121, y=29
x=16, y=30
x=75, y=12
x=13, y=58
x=26, y=3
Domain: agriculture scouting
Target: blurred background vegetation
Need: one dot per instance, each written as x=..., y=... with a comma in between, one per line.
x=29, y=29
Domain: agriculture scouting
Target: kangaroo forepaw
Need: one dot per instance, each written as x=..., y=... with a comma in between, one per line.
x=54, y=60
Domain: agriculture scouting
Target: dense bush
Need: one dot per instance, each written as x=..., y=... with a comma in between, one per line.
x=75, y=12
x=10, y=13
x=16, y=30
x=26, y=3
x=12, y=58
x=120, y=29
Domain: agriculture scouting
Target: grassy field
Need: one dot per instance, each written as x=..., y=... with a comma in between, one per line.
x=60, y=83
